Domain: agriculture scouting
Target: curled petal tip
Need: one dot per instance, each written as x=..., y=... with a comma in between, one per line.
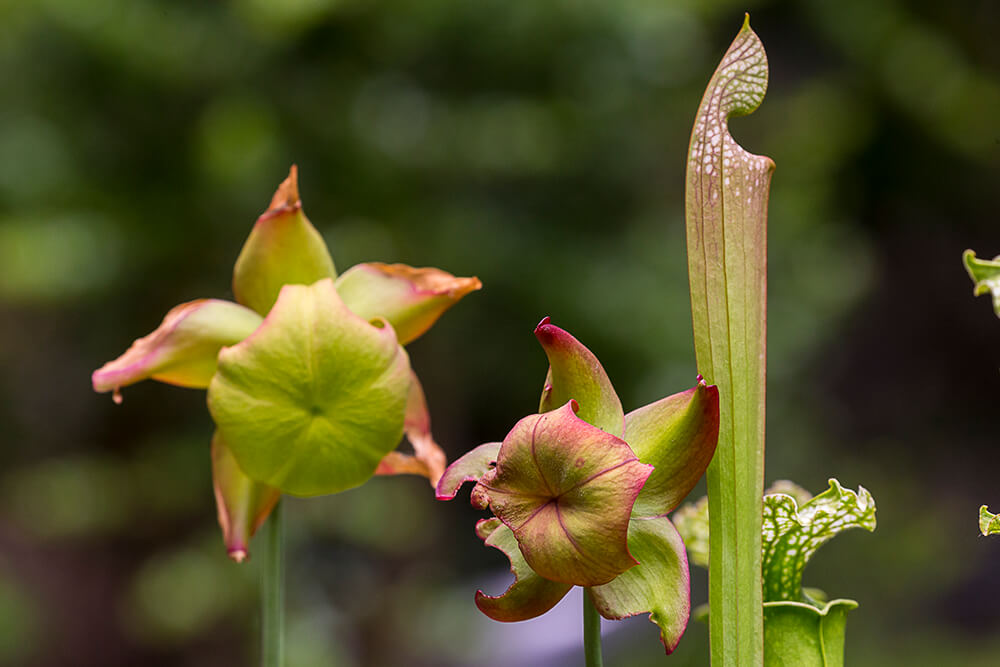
x=238, y=555
x=287, y=194
x=116, y=396
x=545, y=320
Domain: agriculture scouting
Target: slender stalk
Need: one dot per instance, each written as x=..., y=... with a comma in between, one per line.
x=272, y=590
x=591, y=633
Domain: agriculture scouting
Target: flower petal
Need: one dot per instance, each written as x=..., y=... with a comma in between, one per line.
x=676, y=435
x=242, y=503
x=659, y=585
x=530, y=595
x=283, y=249
x=566, y=489
x=411, y=299
x=469, y=468
x=575, y=373
x=183, y=349
x=312, y=401
x=427, y=459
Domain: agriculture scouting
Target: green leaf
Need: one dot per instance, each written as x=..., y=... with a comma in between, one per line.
x=410, y=299
x=530, y=595
x=801, y=635
x=242, y=503
x=312, y=401
x=184, y=348
x=283, y=249
x=726, y=211
x=793, y=533
x=576, y=374
x=566, y=489
x=677, y=436
x=659, y=585
x=986, y=276
x=989, y=523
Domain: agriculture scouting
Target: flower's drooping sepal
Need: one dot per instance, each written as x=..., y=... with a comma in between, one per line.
x=183, y=349
x=989, y=523
x=471, y=467
x=804, y=635
x=677, y=436
x=576, y=374
x=411, y=299
x=986, y=276
x=427, y=459
x=530, y=595
x=659, y=585
x=283, y=249
x=242, y=503
x=566, y=489
x=315, y=398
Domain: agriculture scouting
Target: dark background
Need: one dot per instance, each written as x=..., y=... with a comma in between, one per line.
x=540, y=146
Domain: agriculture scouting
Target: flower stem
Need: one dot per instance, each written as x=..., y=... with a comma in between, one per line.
x=272, y=590
x=591, y=633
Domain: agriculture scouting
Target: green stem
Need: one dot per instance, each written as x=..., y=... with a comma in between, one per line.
x=272, y=590
x=591, y=633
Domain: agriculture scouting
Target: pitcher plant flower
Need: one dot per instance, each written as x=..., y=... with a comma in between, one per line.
x=308, y=383
x=581, y=492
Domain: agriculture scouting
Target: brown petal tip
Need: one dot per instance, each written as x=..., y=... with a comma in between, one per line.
x=287, y=195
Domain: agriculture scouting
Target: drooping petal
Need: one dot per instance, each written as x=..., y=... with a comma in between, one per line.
x=659, y=585
x=312, y=401
x=576, y=374
x=530, y=595
x=283, y=249
x=677, y=436
x=469, y=468
x=410, y=298
x=566, y=489
x=242, y=503
x=427, y=460
x=183, y=349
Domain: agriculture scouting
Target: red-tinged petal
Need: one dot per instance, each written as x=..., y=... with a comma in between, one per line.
x=566, y=489
x=469, y=468
x=576, y=374
x=411, y=299
x=428, y=459
x=283, y=249
x=242, y=503
x=530, y=595
x=677, y=435
x=184, y=348
x=659, y=585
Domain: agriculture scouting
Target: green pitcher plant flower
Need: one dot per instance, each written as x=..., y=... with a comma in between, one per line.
x=308, y=383
x=801, y=626
x=581, y=491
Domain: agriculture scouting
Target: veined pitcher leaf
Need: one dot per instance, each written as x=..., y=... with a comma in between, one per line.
x=792, y=533
x=989, y=523
x=726, y=212
x=986, y=276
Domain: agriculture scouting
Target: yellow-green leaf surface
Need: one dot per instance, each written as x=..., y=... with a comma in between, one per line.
x=726, y=212
x=985, y=275
x=312, y=401
x=989, y=523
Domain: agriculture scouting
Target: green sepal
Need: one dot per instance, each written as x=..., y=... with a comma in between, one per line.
x=315, y=398
x=183, y=350
x=410, y=299
x=530, y=595
x=797, y=634
x=659, y=585
x=241, y=503
x=985, y=275
x=576, y=374
x=283, y=249
x=989, y=523
x=677, y=436
x=566, y=488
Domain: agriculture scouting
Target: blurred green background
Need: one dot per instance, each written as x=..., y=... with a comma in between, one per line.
x=540, y=146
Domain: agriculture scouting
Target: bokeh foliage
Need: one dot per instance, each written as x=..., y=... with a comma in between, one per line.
x=540, y=146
